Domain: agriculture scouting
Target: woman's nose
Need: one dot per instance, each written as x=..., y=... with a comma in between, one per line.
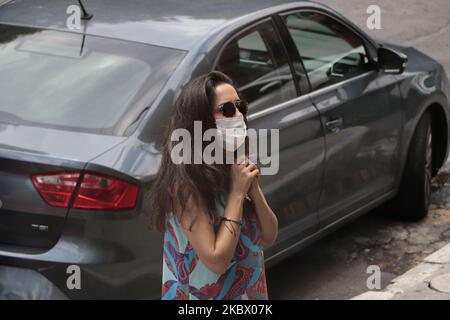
x=238, y=112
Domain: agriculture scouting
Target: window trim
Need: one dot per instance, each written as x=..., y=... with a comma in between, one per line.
x=363, y=39
x=281, y=35
x=307, y=96
x=235, y=35
x=288, y=41
x=251, y=26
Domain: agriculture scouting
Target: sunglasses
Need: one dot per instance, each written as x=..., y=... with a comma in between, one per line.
x=228, y=109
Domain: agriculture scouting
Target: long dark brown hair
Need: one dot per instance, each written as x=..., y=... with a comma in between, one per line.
x=176, y=183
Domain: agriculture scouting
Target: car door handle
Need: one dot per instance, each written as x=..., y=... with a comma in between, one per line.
x=334, y=125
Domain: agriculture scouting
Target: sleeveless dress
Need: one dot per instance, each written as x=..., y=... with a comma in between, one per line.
x=185, y=277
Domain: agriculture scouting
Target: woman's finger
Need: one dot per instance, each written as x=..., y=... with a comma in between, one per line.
x=255, y=173
x=252, y=167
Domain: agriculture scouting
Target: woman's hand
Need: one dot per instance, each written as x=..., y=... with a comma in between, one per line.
x=254, y=187
x=242, y=177
x=267, y=220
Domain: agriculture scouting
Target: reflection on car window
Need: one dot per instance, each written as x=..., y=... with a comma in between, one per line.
x=256, y=63
x=330, y=51
x=48, y=81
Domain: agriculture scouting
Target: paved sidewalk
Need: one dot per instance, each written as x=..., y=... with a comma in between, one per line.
x=430, y=280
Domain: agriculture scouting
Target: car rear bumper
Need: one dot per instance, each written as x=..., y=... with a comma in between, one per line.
x=117, y=259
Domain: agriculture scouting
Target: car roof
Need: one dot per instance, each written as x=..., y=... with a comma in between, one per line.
x=172, y=23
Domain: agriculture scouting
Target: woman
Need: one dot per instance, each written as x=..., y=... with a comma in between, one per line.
x=213, y=234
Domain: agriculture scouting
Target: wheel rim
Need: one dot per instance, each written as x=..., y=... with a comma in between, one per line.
x=428, y=166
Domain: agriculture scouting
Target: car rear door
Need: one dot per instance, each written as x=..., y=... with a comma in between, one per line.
x=257, y=61
x=359, y=110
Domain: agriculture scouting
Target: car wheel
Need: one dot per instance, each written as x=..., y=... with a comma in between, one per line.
x=413, y=198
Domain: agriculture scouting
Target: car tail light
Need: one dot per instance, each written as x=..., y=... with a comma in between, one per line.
x=100, y=192
x=56, y=189
x=95, y=191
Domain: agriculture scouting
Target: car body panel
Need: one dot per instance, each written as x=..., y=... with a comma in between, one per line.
x=362, y=152
x=295, y=190
x=423, y=84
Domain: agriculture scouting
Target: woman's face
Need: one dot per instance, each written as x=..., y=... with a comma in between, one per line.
x=224, y=93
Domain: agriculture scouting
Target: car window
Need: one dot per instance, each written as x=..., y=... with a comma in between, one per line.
x=330, y=51
x=257, y=64
x=60, y=80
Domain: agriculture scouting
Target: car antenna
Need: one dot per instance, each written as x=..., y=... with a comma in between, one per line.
x=86, y=15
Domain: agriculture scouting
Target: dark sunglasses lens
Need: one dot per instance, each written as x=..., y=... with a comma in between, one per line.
x=243, y=107
x=228, y=109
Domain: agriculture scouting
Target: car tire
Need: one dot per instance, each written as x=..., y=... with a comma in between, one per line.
x=413, y=198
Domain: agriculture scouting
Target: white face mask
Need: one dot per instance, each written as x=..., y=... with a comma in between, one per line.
x=231, y=132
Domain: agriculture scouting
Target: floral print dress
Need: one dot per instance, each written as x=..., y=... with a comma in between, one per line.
x=185, y=277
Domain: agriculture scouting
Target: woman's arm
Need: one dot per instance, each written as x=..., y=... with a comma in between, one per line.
x=268, y=221
x=217, y=250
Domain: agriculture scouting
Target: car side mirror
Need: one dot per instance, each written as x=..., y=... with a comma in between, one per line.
x=346, y=65
x=337, y=70
x=391, y=61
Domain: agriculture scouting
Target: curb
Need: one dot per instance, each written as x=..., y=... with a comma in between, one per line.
x=428, y=280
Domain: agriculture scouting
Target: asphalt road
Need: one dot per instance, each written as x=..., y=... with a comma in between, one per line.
x=336, y=267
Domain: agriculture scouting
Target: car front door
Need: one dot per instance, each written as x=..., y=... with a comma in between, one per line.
x=359, y=110
x=257, y=61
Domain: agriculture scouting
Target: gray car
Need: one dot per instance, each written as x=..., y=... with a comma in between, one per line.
x=363, y=124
